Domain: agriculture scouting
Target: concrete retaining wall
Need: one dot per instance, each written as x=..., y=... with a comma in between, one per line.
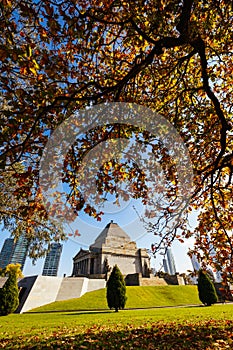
x=43, y=291
x=37, y=291
x=96, y=284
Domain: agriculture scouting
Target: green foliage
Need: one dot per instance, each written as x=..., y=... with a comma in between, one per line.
x=9, y=294
x=13, y=269
x=206, y=290
x=116, y=290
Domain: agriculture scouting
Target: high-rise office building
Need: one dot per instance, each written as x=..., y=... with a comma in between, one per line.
x=20, y=251
x=165, y=266
x=171, y=262
x=14, y=252
x=195, y=263
x=6, y=252
x=52, y=260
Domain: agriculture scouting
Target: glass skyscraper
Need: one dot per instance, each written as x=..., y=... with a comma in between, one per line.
x=20, y=251
x=6, y=252
x=165, y=266
x=52, y=260
x=195, y=263
x=14, y=252
x=171, y=262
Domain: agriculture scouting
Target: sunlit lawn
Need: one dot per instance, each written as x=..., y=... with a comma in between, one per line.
x=140, y=297
x=163, y=328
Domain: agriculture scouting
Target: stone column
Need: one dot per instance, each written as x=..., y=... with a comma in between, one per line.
x=88, y=266
x=85, y=267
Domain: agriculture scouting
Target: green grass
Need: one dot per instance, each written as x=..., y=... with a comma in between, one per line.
x=163, y=328
x=138, y=297
x=91, y=325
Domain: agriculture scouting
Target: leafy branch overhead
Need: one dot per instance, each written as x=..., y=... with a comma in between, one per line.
x=174, y=57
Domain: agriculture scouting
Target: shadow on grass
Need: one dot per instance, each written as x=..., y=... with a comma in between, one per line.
x=105, y=310
x=77, y=313
x=61, y=311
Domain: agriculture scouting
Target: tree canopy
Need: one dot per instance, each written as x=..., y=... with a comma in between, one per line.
x=173, y=57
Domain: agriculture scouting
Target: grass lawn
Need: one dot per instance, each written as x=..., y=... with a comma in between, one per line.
x=139, y=297
x=163, y=328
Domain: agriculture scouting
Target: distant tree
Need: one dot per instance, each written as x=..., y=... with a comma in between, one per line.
x=106, y=268
x=9, y=294
x=116, y=290
x=206, y=290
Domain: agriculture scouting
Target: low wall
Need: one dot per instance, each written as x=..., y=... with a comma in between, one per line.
x=132, y=279
x=136, y=279
x=152, y=281
x=174, y=280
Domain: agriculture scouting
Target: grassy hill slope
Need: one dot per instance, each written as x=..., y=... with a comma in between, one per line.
x=138, y=297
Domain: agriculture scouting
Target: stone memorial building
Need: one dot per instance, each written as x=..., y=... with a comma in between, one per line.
x=112, y=246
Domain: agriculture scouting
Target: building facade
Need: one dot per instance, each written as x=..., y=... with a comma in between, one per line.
x=20, y=251
x=195, y=263
x=165, y=266
x=52, y=260
x=6, y=252
x=112, y=247
x=171, y=262
x=14, y=252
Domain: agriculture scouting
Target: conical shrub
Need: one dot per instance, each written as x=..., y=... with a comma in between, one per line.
x=9, y=294
x=206, y=289
x=116, y=290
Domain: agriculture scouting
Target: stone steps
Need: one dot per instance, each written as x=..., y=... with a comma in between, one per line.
x=75, y=287
x=71, y=287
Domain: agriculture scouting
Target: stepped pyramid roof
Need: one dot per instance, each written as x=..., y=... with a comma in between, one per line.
x=112, y=232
